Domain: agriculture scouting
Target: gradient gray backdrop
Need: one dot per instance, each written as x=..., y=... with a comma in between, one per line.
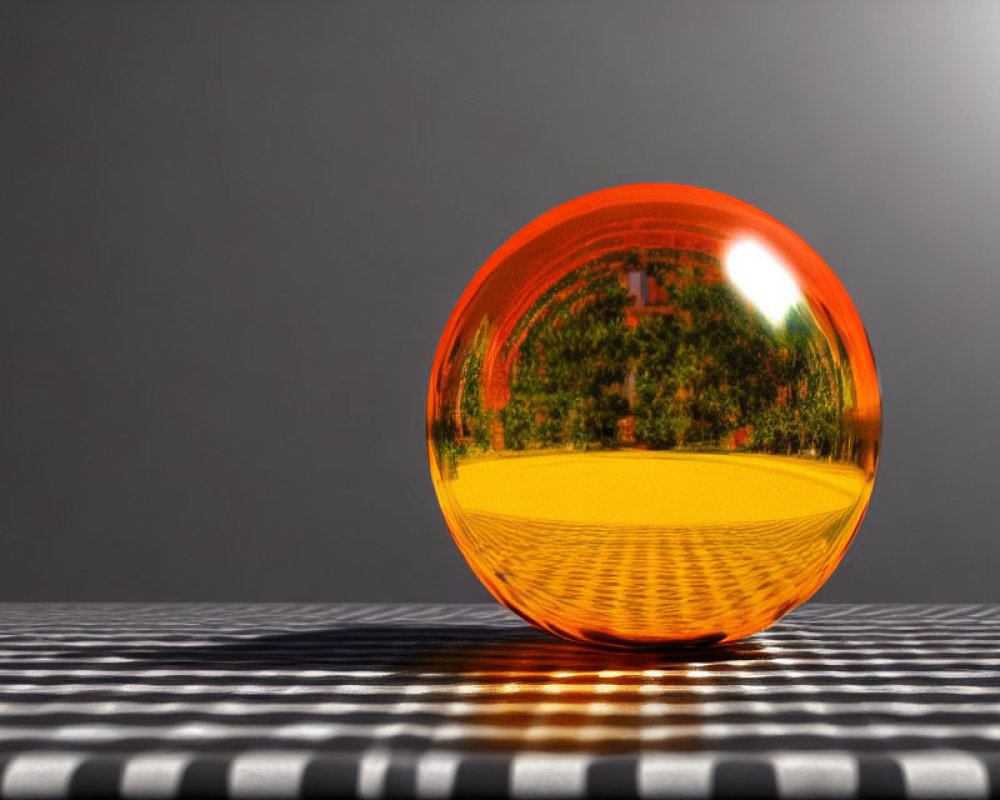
x=231, y=233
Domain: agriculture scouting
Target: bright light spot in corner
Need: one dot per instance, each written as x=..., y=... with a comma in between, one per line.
x=762, y=280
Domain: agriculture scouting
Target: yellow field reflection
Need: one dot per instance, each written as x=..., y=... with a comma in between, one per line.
x=628, y=547
x=655, y=488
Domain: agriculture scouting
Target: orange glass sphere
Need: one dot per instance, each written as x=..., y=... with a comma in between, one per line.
x=653, y=419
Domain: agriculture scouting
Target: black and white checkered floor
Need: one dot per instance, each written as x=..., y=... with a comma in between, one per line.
x=442, y=701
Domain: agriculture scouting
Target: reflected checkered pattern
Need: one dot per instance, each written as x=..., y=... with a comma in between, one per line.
x=702, y=571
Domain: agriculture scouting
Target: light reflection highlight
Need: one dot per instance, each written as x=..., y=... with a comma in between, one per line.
x=762, y=279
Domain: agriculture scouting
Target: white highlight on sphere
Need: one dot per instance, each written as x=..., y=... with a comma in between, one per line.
x=762, y=279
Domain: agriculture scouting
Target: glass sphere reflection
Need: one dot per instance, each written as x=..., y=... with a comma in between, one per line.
x=654, y=417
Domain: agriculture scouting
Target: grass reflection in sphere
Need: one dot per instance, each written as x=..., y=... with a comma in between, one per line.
x=653, y=419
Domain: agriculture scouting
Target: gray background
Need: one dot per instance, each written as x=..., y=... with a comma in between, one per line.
x=230, y=236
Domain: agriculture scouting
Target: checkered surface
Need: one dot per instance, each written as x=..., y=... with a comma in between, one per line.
x=442, y=701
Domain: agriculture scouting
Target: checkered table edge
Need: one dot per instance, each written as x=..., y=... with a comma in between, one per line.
x=451, y=701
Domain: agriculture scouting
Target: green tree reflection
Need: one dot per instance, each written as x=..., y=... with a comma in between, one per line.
x=692, y=366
